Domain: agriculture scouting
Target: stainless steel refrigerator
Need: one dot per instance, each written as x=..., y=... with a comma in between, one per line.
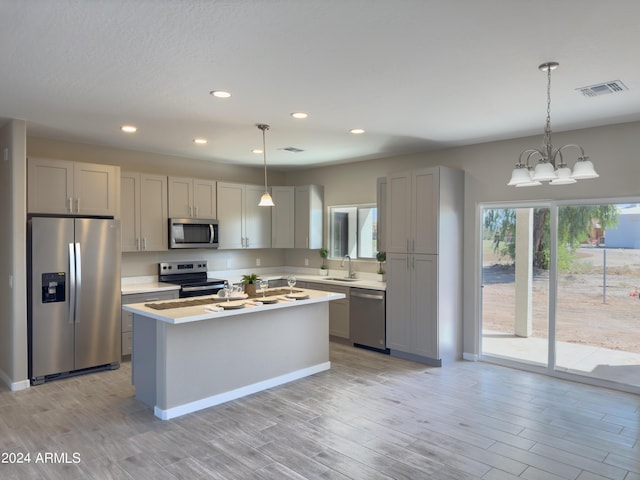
x=74, y=296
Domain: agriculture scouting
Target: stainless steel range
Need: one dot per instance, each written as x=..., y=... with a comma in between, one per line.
x=191, y=276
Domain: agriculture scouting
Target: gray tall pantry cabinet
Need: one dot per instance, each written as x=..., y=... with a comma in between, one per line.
x=424, y=227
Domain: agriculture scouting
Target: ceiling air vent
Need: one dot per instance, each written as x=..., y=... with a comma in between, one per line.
x=292, y=149
x=606, y=88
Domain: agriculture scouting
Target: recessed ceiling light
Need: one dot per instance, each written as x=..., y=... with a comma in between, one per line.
x=299, y=115
x=129, y=128
x=256, y=150
x=200, y=141
x=220, y=93
x=357, y=131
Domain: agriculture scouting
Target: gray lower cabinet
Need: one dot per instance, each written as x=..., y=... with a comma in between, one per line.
x=127, y=317
x=338, y=309
x=280, y=282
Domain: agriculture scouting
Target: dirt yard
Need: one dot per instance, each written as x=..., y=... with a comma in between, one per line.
x=587, y=314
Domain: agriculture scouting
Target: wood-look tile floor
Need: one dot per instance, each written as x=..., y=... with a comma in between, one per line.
x=370, y=417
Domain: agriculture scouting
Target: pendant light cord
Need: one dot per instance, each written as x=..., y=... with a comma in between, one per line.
x=264, y=156
x=264, y=128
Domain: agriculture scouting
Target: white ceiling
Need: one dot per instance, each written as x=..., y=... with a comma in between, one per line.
x=418, y=75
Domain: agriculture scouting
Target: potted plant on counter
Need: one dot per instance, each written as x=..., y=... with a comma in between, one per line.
x=381, y=257
x=250, y=282
x=324, y=253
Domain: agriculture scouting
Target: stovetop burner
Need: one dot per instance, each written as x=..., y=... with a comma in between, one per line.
x=191, y=276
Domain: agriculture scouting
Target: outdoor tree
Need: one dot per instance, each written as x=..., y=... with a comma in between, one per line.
x=576, y=224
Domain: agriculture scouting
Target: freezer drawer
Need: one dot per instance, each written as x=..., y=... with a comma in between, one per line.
x=368, y=319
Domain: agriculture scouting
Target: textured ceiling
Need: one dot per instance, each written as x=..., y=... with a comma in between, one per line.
x=418, y=75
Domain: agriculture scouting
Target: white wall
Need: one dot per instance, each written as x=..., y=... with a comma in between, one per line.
x=613, y=149
x=147, y=162
x=13, y=281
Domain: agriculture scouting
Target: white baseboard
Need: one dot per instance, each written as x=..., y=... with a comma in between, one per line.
x=13, y=386
x=472, y=357
x=191, y=407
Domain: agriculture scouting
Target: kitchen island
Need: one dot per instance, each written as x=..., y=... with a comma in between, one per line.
x=190, y=357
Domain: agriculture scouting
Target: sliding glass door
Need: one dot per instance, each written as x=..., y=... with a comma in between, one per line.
x=560, y=289
x=598, y=311
x=515, y=284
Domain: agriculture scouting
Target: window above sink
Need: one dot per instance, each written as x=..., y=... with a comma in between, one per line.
x=353, y=231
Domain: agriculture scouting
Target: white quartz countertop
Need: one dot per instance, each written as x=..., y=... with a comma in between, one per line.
x=330, y=280
x=213, y=310
x=359, y=282
x=150, y=284
x=128, y=289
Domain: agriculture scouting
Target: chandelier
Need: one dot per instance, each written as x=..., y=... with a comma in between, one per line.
x=551, y=165
x=265, y=200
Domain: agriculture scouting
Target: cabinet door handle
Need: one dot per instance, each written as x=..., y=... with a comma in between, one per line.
x=407, y=262
x=78, y=205
x=70, y=201
x=144, y=243
x=246, y=242
x=137, y=243
x=413, y=245
x=196, y=211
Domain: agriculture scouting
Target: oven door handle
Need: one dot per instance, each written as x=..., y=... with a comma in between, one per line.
x=198, y=289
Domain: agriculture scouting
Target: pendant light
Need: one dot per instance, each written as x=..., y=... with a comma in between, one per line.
x=547, y=170
x=265, y=200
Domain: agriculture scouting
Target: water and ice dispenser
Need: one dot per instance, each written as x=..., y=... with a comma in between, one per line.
x=53, y=287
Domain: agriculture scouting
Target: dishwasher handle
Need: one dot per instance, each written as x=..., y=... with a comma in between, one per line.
x=366, y=295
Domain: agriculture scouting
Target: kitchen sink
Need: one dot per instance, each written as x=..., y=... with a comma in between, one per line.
x=342, y=279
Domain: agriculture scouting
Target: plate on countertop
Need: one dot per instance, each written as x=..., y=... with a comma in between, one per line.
x=230, y=305
x=297, y=296
x=266, y=300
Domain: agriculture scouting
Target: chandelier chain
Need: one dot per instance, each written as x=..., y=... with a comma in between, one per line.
x=547, y=132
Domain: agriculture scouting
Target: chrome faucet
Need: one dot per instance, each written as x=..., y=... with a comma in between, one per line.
x=351, y=272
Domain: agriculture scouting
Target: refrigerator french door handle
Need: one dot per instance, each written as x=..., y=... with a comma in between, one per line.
x=78, y=280
x=72, y=283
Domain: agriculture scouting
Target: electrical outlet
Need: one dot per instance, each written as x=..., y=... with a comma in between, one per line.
x=306, y=262
x=258, y=262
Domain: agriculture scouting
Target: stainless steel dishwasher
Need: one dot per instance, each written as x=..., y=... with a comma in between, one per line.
x=368, y=318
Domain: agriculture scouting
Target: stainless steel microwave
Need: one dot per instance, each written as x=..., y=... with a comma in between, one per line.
x=193, y=233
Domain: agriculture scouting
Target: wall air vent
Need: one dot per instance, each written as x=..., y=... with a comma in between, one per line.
x=292, y=149
x=606, y=88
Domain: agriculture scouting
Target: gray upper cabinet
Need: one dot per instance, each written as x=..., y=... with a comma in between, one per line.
x=412, y=211
x=243, y=224
x=308, y=216
x=283, y=217
x=144, y=216
x=72, y=188
x=192, y=198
